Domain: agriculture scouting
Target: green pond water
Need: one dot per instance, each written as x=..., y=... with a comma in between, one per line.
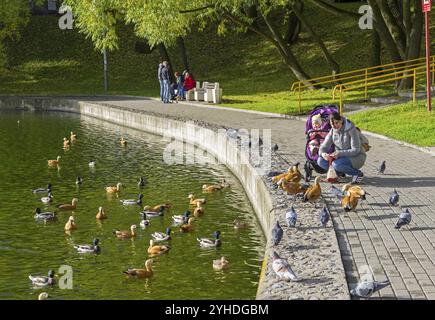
x=31, y=247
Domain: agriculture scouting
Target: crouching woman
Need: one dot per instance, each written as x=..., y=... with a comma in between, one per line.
x=349, y=156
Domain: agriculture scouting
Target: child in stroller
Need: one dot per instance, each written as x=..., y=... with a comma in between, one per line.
x=317, y=128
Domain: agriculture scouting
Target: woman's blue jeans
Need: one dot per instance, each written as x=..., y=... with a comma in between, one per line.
x=341, y=165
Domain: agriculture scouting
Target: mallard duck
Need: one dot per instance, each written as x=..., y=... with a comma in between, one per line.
x=178, y=219
x=208, y=243
x=43, y=190
x=101, y=214
x=187, y=227
x=156, y=250
x=125, y=233
x=112, y=189
x=43, y=281
x=79, y=180
x=194, y=201
x=220, y=264
x=141, y=273
x=144, y=222
x=87, y=248
x=239, y=225
x=43, y=296
x=132, y=202
x=54, y=162
x=314, y=191
x=73, y=136
x=70, y=225
x=43, y=215
x=123, y=142
x=68, y=206
x=152, y=214
x=160, y=236
x=91, y=163
x=47, y=199
x=199, y=211
x=142, y=182
x=66, y=143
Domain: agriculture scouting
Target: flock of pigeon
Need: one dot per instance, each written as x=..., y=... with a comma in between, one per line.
x=348, y=197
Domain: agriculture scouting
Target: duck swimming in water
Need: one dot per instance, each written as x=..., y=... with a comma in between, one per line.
x=160, y=236
x=144, y=222
x=131, y=202
x=141, y=273
x=182, y=218
x=42, y=281
x=53, y=163
x=87, y=248
x=43, y=215
x=48, y=198
x=43, y=190
x=112, y=189
x=68, y=206
x=101, y=214
x=70, y=225
x=220, y=264
x=142, y=182
x=152, y=214
x=208, y=243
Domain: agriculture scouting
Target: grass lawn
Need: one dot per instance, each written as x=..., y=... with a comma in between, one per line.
x=408, y=122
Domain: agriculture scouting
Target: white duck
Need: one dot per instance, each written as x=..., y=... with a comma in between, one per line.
x=160, y=236
x=132, y=202
x=43, y=281
x=208, y=243
x=48, y=198
x=181, y=218
x=87, y=248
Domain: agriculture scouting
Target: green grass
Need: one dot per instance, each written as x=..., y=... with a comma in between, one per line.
x=407, y=122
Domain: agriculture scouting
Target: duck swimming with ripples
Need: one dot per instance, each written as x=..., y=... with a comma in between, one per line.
x=209, y=243
x=132, y=202
x=43, y=190
x=162, y=236
x=89, y=248
x=42, y=281
x=152, y=214
x=38, y=215
x=47, y=199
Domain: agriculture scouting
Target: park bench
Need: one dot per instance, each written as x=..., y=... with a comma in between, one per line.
x=209, y=92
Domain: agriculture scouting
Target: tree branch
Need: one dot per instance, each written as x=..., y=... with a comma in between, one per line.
x=197, y=9
x=334, y=10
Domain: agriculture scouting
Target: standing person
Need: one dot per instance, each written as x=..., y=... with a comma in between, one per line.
x=349, y=155
x=166, y=82
x=159, y=76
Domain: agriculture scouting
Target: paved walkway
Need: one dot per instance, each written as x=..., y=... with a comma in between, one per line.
x=407, y=256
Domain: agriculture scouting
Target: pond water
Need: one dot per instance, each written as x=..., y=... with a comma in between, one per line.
x=28, y=140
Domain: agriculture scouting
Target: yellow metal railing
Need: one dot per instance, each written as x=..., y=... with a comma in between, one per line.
x=381, y=80
x=365, y=74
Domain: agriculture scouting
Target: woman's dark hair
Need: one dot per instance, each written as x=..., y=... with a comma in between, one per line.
x=335, y=116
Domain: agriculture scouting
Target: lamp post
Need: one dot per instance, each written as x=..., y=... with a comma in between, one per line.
x=426, y=8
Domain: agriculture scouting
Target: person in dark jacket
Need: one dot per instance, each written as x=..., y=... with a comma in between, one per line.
x=159, y=76
x=349, y=155
x=180, y=83
x=166, y=82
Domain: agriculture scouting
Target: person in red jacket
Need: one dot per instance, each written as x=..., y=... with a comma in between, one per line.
x=189, y=82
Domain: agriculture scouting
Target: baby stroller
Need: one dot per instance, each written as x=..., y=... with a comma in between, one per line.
x=316, y=129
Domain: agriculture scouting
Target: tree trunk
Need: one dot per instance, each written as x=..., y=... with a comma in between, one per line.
x=252, y=13
x=375, y=58
x=183, y=53
x=287, y=55
x=277, y=40
x=326, y=54
x=293, y=24
x=165, y=56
